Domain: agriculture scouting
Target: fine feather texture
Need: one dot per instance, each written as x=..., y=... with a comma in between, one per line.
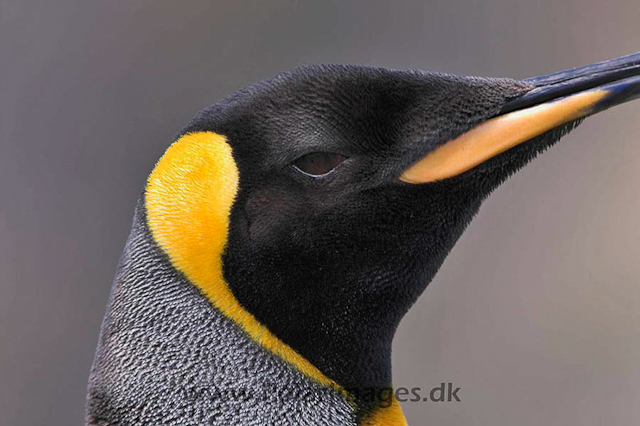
x=166, y=356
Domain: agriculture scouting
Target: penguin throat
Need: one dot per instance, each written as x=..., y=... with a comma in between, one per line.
x=188, y=199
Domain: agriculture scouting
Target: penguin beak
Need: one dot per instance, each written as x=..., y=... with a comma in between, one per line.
x=556, y=99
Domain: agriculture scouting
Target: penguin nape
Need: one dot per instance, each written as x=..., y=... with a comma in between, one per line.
x=287, y=230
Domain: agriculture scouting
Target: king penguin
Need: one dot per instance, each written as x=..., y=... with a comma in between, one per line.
x=285, y=232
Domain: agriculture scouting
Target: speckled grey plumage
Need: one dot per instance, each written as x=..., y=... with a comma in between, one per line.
x=166, y=356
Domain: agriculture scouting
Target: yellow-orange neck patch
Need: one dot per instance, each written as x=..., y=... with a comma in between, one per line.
x=386, y=416
x=188, y=199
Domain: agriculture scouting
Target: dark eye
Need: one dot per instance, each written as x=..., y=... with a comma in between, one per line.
x=318, y=163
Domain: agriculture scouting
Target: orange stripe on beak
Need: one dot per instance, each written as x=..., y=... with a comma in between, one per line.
x=498, y=135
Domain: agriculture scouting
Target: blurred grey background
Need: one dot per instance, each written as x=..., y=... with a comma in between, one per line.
x=535, y=314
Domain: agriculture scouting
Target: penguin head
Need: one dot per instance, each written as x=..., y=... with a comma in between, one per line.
x=351, y=185
x=327, y=245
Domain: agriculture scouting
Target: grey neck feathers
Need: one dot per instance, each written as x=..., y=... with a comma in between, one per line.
x=166, y=356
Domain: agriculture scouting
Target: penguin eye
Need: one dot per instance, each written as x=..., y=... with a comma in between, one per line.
x=317, y=164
